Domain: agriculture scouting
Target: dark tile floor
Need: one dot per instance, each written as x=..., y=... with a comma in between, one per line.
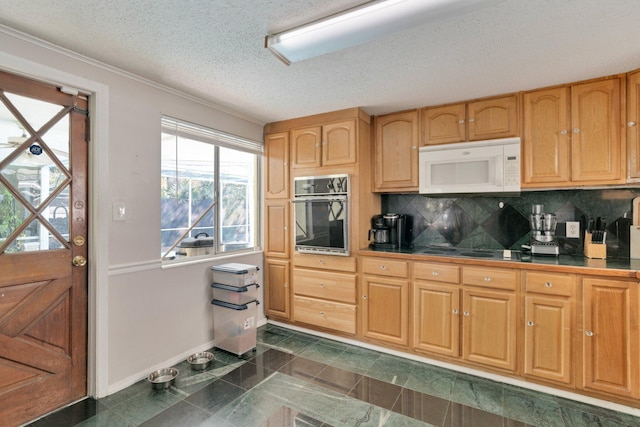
x=295, y=379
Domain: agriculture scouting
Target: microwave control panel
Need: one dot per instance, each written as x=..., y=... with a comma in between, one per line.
x=511, y=167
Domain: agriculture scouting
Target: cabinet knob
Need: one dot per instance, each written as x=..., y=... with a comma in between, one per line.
x=466, y=313
x=471, y=119
x=286, y=285
x=414, y=147
x=455, y=311
x=364, y=297
x=461, y=122
x=548, y=284
x=383, y=267
x=564, y=132
x=321, y=285
x=529, y=323
x=317, y=145
x=576, y=130
x=321, y=261
x=631, y=124
x=487, y=279
x=588, y=333
x=322, y=313
x=434, y=273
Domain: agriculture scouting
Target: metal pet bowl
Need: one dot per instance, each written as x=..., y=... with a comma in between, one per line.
x=162, y=378
x=200, y=361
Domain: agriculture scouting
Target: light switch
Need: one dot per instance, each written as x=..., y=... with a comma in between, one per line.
x=119, y=211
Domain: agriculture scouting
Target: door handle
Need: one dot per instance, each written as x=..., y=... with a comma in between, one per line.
x=79, y=261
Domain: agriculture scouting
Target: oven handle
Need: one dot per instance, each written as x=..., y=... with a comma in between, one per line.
x=339, y=198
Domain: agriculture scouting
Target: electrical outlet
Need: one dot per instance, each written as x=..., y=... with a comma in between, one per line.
x=573, y=229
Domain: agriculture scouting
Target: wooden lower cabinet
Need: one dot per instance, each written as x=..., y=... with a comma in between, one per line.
x=489, y=327
x=610, y=336
x=437, y=318
x=277, y=289
x=385, y=309
x=325, y=299
x=547, y=338
x=326, y=314
x=549, y=326
x=436, y=308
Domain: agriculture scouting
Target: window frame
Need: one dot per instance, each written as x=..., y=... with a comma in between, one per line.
x=218, y=139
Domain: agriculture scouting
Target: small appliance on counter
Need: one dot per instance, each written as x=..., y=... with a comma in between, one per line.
x=391, y=231
x=543, y=232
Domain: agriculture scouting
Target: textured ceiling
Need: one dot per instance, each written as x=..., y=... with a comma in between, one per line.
x=214, y=50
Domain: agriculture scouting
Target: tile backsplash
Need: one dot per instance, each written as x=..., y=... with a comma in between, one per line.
x=497, y=222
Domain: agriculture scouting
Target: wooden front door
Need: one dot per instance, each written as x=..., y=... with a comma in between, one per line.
x=43, y=249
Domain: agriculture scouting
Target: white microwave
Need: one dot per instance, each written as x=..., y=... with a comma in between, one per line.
x=491, y=166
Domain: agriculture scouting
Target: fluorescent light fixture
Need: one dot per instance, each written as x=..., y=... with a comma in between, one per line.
x=361, y=24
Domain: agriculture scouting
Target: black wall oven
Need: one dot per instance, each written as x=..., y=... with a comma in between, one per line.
x=321, y=214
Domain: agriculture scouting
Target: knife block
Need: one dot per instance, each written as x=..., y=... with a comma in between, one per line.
x=594, y=250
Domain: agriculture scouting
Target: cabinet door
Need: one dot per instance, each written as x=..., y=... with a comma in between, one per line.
x=492, y=118
x=443, y=125
x=396, y=152
x=489, y=328
x=276, y=220
x=277, y=165
x=339, y=143
x=277, y=289
x=610, y=336
x=547, y=338
x=546, y=141
x=306, y=147
x=595, y=142
x=437, y=321
x=633, y=123
x=385, y=310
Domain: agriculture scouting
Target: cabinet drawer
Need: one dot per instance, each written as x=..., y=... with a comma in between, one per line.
x=385, y=267
x=436, y=272
x=333, y=286
x=327, y=314
x=326, y=262
x=547, y=283
x=499, y=278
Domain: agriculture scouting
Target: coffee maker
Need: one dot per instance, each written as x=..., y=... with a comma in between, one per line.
x=390, y=231
x=543, y=232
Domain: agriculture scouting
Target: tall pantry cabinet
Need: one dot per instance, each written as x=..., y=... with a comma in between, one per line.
x=300, y=288
x=277, y=240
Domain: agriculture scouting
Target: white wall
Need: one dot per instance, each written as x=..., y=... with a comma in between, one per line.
x=142, y=316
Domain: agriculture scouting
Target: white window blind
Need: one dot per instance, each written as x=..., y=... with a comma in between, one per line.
x=188, y=130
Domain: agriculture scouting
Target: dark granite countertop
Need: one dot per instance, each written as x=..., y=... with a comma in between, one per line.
x=570, y=263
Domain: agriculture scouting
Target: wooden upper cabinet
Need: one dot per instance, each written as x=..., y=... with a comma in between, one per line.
x=633, y=123
x=306, y=147
x=328, y=145
x=396, y=152
x=339, y=143
x=546, y=140
x=483, y=119
x=492, y=118
x=443, y=125
x=277, y=165
x=596, y=147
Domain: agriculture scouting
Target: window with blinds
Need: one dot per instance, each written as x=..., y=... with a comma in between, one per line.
x=209, y=191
